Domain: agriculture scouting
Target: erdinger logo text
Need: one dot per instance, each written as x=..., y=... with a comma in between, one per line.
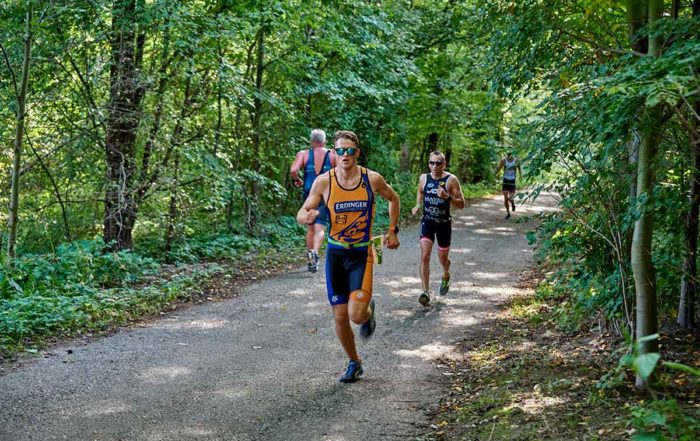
x=344, y=207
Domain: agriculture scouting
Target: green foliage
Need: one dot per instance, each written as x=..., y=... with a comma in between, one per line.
x=659, y=419
x=72, y=270
x=663, y=420
x=26, y=321
x=576, y=91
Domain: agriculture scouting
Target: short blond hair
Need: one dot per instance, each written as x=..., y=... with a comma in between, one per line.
x=346, y=134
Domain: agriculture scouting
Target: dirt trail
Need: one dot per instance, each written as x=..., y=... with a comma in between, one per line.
x=263, y=366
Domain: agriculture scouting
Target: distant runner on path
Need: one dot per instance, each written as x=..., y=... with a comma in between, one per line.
x=509, y=164
x=437, y=191
x=314, y=161
x=349, y=194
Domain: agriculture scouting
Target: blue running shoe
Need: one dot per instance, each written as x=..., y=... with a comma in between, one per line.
x=352, y=373
x=445, y=285
x=368, y=327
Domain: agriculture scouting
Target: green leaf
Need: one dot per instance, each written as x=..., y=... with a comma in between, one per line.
x=644, y=364
x=15, y=285
x=656, y=418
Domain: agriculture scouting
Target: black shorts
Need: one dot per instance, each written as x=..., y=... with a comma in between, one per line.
x=442, y=231
x=348, y=270
x=508, y=185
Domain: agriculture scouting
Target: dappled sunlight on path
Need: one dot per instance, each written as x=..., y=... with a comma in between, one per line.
x=263, y=366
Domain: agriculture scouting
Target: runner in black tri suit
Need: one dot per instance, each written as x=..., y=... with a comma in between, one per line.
x=510, y=164
x=437, y=191
x=308, y=160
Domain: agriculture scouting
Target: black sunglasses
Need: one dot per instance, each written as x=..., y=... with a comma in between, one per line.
x=435, y=162
x=340, y=151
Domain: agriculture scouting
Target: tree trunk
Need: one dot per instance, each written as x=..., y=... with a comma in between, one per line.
x=405, y=158
x=689, y=288
x=642, y=264
x=122, y=123
x=21, y=99
x=686, y=304
x=256, y=117
x=172, y=211
x=637, y=17
x=433, y=138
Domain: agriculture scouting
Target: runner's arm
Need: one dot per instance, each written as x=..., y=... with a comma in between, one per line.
x=419, y=194
x=296, y=166
x=308, y=212
x=454, y=190
x=500, y=165
x=380, y=186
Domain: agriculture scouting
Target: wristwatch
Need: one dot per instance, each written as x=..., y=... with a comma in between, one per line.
x=394, y=229
x=448, y=198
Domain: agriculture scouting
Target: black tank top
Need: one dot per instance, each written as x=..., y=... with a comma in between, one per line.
x=435, y=209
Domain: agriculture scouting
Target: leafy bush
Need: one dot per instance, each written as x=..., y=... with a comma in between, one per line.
x=663, y=420
x=73, y=269
x=26, y=320
x=282, y=232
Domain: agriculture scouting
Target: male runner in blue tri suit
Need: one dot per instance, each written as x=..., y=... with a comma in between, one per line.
x=349, y=192
x=315, y=161
x=437, y=191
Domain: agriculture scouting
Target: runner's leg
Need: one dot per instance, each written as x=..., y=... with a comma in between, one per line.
x=344, y=331
x=444, y=256
x=319, y=231
x=426, y=247
x=360, y=276
x=310, y=237
x=358, y=310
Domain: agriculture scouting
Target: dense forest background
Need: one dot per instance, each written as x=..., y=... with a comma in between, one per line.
x=142, y=132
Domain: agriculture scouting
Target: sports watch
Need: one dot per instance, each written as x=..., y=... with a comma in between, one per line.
x=394, y=229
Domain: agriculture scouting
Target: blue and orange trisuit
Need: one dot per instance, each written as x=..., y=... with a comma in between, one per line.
x=348, y=258
x=436, y=221
x=310, y=176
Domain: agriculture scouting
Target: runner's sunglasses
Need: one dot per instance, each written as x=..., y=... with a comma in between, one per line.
x=340, y=151
x=435, y=162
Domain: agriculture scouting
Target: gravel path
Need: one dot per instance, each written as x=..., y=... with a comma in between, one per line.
x=263, y=366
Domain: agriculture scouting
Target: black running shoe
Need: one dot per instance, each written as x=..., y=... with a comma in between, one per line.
x=512, y=204
x=352, y=373
x=312, y=257
x=424, y=298
x=508, y=216
x=310, y=261
x=368, y=327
